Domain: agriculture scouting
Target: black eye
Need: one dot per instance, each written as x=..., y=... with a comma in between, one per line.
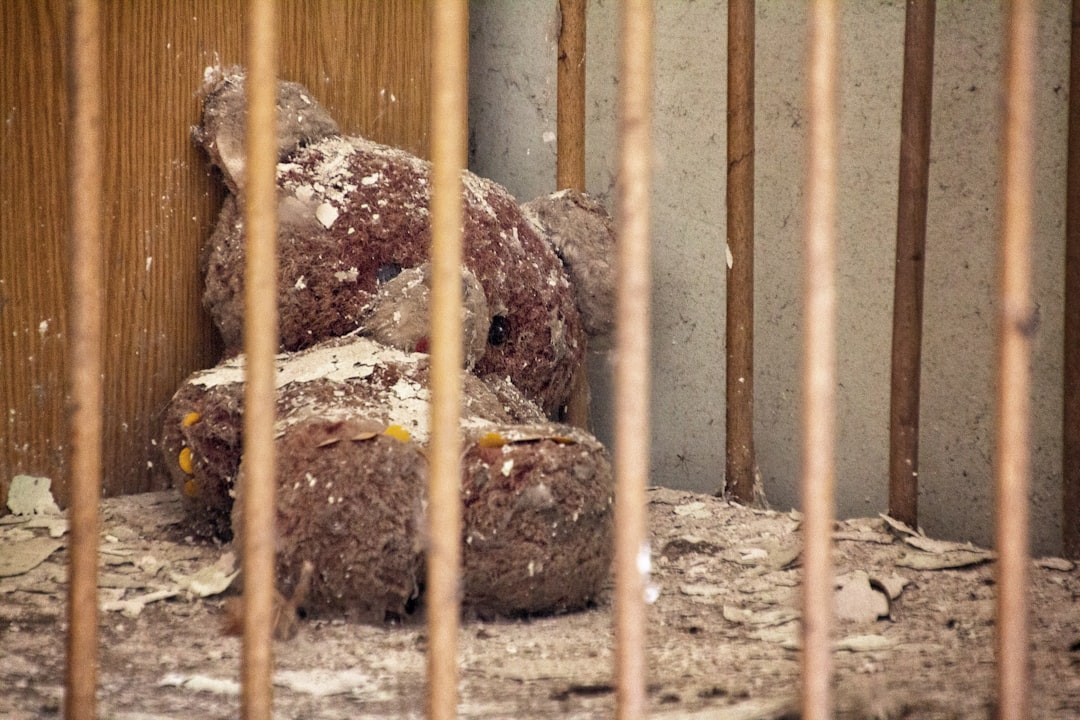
x=499, y=332
x=387, y=272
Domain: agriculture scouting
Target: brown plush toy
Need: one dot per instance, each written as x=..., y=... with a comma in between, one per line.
x=353, y=213
x=352, y=388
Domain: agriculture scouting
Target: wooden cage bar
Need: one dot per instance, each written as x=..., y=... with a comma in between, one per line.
x=260, y=346
x=1070, y=450
x=570, y=154
x=570, y=104
x=84, y=359
x=915, y=123
x=632, y=339
x=740, y=462
x=819, y=362
x=632, y=350
x=1015, y=328
x=448, y=145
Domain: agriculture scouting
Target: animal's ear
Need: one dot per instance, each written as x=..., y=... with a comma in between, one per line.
x=221, y=132
x=582, y=233
x=301, y=121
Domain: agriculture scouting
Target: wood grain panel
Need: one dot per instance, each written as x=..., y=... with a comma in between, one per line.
x=367, y=61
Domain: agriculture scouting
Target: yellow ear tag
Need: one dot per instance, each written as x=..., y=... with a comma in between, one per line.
x=185, y=461
x=190, y=419
x=398, y=433
x=491, y=440
x=191, y=488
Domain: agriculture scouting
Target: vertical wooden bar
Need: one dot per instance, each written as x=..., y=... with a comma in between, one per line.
x=632, y=353
x=1016, y=324
x=448, y=147
x=84, y=358
x=570, y=156
x=260, y=346
x=915, y=124
x=739, y=413
x=1070, y=465
x=819, y=364
x=570, y=109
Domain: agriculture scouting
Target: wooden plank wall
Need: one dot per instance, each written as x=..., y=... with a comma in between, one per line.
x=366, y=61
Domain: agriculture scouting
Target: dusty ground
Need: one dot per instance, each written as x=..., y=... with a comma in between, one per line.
x=722, y=630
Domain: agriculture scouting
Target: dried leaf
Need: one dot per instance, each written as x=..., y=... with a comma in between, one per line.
x=25, y=555
x=133, y=607
x=857, y=601
x=931, y=561
x=213, y=579
x=766, y=618
x=323, y=683
x=864, y=536
x=1052, y=563
x=937, y=547
x=902, y=528
x=851, y=643
x=57, y=526
x=28, y=495
x=201, y=683
x=863, y=643
x=701, y=590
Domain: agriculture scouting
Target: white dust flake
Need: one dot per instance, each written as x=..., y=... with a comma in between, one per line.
x=326, y=214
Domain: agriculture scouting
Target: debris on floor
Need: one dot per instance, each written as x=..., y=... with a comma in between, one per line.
x=913, y=636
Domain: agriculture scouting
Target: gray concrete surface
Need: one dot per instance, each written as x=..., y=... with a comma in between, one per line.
x=512, y=125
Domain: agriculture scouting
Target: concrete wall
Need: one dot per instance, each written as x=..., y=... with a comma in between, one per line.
x=512, y=124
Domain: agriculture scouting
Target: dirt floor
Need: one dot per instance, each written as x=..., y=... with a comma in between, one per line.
x=722, y=642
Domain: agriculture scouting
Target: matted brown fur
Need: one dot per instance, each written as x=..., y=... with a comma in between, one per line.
x=351, y=482
x=348, y=208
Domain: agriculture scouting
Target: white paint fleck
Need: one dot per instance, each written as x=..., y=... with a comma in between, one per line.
x=326, y=214
x=507, y=467
x=149, y=262
x=549, y=136
x=301, y=283
x=349, y=275
x=43, y=327
x=730, y=257
x=369, y=180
